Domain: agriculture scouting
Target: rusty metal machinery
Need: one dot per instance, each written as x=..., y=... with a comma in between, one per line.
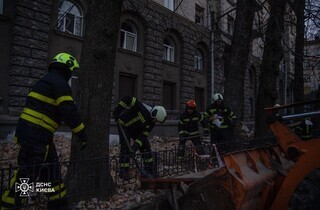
x=283, y=176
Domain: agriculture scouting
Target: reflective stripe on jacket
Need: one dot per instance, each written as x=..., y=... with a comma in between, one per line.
x=48, y=104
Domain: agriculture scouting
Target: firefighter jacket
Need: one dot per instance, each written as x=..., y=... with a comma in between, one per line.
x=219, y=116
x=47, y=105
x=135, y=117
x=189, y=123
x=304, y=129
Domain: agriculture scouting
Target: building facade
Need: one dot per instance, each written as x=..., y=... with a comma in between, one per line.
x=166, y=52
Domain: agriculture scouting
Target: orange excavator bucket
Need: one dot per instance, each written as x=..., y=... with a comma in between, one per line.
x=279, y=176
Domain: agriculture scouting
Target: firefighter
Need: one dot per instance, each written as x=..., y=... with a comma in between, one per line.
x=188, y=128
x=135, y=121
x=304, y=129
x=220, y=119
x=47, y=105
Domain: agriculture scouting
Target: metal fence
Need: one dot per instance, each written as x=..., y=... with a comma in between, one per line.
x=167, y=164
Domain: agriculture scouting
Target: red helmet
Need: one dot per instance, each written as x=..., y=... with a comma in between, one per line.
x=191, y=104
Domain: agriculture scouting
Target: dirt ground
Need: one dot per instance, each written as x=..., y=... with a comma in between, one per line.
x=127, y=197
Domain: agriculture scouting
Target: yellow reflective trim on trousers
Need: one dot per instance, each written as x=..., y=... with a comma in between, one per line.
x=60, y=195
x=150, y=160
x=146, y=133
x=5, y=198
x=195, y=118
x=42, y=98
x=58, y=187
x=64, y=98
x=138, y=142
x=47, y=151
x=41, y=116
x=133, y=101
x=124, y=165
x=193, y=133
x=78, y=128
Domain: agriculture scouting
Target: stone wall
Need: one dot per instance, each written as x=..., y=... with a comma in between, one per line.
x=29, y=50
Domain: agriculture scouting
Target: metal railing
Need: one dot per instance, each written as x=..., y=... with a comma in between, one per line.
x=167, y=164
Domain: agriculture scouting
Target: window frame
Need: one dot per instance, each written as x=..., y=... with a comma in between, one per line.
x=127, y=34
x=168, y=50
x=199, y=12
x=230, y=24
x=77, y=20
x=198, y=60
x=169, y=4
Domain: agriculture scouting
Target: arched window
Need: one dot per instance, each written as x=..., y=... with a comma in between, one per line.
x=168, y=49
x=70, y=18
x=128, y=36
x=198, y=60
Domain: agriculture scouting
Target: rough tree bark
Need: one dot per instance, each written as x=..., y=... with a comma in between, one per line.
x=87, y=177
x=272, y=55
x=298, y=90
x=237, y=64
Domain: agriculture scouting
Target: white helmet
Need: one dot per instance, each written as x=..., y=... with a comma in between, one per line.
x=159, y=113
x=217, y=97
x=276, y=105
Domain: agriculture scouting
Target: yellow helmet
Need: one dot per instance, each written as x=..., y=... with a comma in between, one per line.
x=66, y=59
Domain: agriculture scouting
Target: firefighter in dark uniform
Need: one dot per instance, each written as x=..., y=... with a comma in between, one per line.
x=135, y=121
x=188, y=128
x=220, y=120
x=304, y=129
x=47, y=105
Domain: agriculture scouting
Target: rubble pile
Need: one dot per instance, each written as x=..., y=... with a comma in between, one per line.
x=127, y=196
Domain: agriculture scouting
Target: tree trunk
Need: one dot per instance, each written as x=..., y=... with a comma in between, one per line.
x=272, y=55
x=298, y=91
x=237, y=64
x=88, y=177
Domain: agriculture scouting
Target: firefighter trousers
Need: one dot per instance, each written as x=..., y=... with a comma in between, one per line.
x=35, y=167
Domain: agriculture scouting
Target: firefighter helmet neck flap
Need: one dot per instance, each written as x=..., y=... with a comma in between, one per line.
x=159, y=113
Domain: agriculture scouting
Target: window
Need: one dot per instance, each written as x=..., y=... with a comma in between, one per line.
x=127, y=85
x=199, y=17
x=230, y=24
x=1, y=7
x=169, y=4
x=128, y=36
x=199, y=97
x=198, y=60
x=70, y=18
x=168, y=50
x=168, y=96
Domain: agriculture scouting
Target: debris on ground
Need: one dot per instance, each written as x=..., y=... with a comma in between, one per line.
x=127, y=196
